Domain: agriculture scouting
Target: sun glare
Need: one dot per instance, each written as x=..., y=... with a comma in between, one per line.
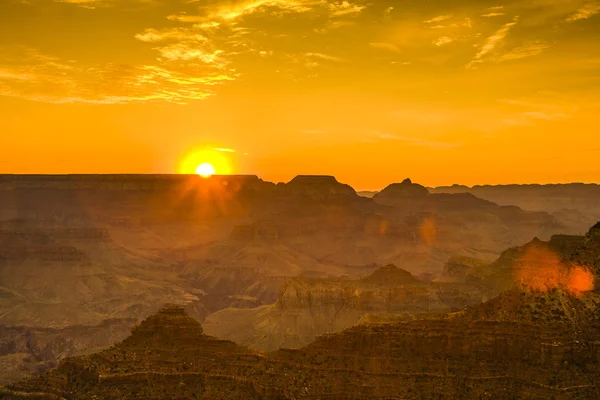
x=206, y=162
x=205, y=170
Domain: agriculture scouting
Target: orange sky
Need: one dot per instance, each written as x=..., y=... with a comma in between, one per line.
x=372, y=92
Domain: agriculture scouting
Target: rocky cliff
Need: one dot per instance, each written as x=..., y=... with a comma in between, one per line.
x=551, y=198
x=76, y=250
x=309, y=307
x=168, y=355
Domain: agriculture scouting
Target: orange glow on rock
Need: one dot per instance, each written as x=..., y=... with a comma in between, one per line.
x=541, y=269
x=581, y=280
x=427, y=231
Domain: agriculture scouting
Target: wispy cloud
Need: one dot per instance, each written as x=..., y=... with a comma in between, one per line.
x=186, y=52
x=493, y=14
x=224, y=150
x=344, y=8
x=588, y=10
x=231, y=11
x=325, y=57
x=527, y=50
x=443, y=40
x=161, y=35
x=493, y=41
x=29, y=74
x=439, y=18
x=385, y=46
x=92, y=4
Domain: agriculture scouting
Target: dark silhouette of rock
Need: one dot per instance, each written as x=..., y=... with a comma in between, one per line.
x=169, y=356
x=402, y=191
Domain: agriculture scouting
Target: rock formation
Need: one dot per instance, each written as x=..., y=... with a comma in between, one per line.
x=551, y=198
x=77, y=250
x=169, y=355
x=309, y=307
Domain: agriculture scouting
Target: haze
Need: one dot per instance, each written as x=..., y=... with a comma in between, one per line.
x=446, y=92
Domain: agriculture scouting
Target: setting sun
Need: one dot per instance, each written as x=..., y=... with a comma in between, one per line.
x=206, y=162
x=205, y=170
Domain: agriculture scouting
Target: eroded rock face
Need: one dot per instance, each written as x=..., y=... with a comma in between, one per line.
x=308, y=307
x=26, y=350
x=551, y=198
x=401, y=192
x=168, y=355
x=319, y=187
x=79, y=250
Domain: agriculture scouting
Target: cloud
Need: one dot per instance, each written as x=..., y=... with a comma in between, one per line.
x=493, y=41
x=29, y=74
x=344, y=8
x=438, y=19
x=325, y=57
x=528, y=50
x=161, y=35
x=224, y=150
x=493, y=14
x=186, y=52
x=231, y=11
x=443, y=40
x=188, y=18
x=91, y=4
x=334, y=24
x=588, y=10
x=385, y=46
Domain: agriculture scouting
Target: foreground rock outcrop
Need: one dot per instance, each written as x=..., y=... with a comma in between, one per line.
x=168, y=356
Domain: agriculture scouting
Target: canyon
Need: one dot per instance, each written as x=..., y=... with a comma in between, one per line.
x=85, y=257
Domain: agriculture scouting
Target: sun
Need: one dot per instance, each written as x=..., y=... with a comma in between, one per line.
x=205, y=170
x=206, y=162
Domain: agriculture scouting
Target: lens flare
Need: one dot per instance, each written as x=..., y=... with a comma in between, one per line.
x=428, y=231
x=541, y=269
x=581, y=280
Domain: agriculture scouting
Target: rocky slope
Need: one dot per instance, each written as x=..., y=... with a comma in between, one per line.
x=557, y=271
x=168, y=355
x=553, y=198
x=309, y=307
x=78, y=250
x=25, y=350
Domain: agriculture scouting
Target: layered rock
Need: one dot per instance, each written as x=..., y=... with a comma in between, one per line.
x=308, y=307
x=168, y=355
x=81, y=249
x=551, y=198
x=319, y=187
x=398, y=192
